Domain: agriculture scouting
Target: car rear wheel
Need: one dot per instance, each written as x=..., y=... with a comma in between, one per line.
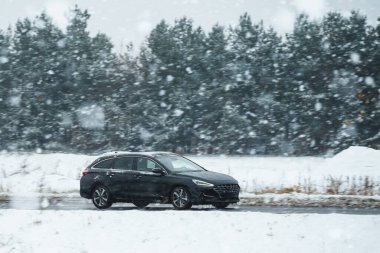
x=220, y=205
x=101, y=197
x=140, y=203
x=181, y=198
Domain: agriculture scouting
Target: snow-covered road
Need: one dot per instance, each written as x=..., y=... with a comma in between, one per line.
x=75, y=204
x=185, y=231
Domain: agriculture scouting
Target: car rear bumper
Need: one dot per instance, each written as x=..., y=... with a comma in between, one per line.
x=85, y=189
x=85, y=194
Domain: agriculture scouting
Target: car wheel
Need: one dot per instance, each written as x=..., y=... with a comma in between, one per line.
x=140, y=203
x=220, y=205
x=101, y=197
x=181, y=198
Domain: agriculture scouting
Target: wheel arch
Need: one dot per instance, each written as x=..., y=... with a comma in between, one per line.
x=94, y=185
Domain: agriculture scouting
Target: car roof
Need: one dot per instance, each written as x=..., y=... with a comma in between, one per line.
x=121, y=153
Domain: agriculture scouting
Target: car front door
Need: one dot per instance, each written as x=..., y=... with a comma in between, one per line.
x=147, y=183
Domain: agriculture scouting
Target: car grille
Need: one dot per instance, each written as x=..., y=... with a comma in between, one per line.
x=227, y=188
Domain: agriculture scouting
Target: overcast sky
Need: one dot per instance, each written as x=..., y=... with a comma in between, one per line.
x=130, y=21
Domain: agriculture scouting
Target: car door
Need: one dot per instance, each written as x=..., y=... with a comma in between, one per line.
x=100, y=172
x=147, y=183
x=121, y=176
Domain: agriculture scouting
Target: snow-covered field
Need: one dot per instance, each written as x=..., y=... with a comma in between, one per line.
x=355, y=171
x=349, y=172
x=186, y=231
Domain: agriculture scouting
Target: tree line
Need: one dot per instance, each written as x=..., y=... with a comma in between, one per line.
x=242, y=89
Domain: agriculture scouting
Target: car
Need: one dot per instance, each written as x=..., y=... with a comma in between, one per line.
x=142, y=178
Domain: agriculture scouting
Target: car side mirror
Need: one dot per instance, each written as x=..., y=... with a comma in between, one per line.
x=157, y=171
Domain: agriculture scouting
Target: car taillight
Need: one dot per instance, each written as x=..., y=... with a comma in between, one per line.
x=85, y=172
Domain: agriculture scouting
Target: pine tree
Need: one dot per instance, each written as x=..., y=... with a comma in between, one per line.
x=242, y=90
x=5, y=90
x=217, y=77
x=174, y=59
x=88, y=80
x=305, y=86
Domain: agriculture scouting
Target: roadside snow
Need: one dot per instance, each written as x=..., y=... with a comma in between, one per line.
x=41, y=173
x=355, y=171
x=186, y=231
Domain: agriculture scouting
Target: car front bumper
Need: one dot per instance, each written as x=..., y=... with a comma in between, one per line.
x=211, y=195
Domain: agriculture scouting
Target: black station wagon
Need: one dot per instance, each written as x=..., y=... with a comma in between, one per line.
x=146, y=177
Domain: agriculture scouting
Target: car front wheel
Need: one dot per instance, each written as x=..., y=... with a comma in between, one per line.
x=181, y=198
x=101, y=197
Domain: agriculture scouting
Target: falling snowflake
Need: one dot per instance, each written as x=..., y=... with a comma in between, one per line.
x=3, y=60
x=318, y=106
x=91, y=117
x=178, y=112
x=188, y=70
x=169, y=78
x=355, y=58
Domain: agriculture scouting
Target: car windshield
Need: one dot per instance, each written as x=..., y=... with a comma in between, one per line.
x=177, y=163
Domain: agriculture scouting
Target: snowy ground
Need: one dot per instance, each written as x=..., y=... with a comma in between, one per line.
x=186, y=231
x=355, y=171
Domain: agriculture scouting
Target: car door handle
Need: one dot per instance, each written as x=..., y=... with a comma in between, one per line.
x=110, y=174
x=137, y=176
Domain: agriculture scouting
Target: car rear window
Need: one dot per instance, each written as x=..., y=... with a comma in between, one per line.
x=106, y=164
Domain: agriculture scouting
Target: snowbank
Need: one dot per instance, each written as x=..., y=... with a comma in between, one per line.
x=186, y=231
x=365, y=160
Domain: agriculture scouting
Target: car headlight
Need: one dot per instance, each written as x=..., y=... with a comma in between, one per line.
x=202, y=183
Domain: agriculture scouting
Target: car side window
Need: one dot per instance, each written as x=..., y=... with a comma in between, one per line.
x=124, y=163
x=145, y=164
x=106, y=164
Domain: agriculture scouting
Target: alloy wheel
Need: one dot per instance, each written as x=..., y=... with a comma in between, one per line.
x=181, y=198
x=101, y=197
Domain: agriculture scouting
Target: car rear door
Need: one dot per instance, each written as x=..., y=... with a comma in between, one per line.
x=96, y=174
x=121, y=176
x=99, y=172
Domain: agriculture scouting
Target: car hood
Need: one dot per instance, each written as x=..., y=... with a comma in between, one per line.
x=209, y=176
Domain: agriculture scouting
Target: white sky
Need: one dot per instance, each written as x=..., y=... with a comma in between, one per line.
x=131, y=20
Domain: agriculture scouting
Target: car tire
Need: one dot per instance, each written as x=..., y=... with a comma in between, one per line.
x=101, y=197
x=220, y=205
x=140, y=203
x=181, y=198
